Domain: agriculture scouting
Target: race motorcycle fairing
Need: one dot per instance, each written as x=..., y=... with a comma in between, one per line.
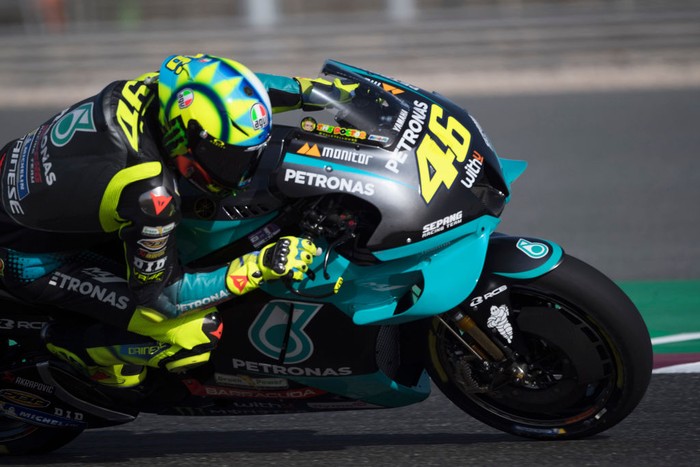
x=402, y=191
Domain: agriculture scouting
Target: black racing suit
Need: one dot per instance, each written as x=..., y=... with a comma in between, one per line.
x=93, y=178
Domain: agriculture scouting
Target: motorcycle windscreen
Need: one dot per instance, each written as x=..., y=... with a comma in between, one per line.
x=419, y=159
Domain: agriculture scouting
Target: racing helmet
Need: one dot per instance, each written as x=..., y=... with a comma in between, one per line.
x=216, y=119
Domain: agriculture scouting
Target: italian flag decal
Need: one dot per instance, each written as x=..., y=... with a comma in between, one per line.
x=258, y=116
x=185, y=98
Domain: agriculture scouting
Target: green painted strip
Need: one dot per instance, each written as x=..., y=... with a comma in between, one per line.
x=669, y=308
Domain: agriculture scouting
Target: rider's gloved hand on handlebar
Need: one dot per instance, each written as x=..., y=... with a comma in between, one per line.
x=288, y=257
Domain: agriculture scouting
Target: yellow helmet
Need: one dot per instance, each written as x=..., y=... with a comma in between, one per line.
x=216, y=117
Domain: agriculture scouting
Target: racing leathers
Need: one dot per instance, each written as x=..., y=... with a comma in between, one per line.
x=96, y=177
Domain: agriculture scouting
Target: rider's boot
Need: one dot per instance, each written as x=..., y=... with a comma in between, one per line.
x=66, y=344
x=119, y=358
x=185, y=341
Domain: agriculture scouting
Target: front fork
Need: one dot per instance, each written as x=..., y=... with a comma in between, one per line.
x=485, y=325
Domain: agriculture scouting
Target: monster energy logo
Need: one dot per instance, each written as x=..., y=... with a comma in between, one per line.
x=79, y=119
x=267, y=333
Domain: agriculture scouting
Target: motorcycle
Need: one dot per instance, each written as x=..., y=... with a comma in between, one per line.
x=403, y=192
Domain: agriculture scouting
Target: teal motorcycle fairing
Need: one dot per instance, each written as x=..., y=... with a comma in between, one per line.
x=428, y=250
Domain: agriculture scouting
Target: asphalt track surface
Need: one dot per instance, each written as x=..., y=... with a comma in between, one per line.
x=614, y=178
x=663, y=431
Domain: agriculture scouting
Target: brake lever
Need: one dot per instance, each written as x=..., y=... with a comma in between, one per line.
x=339, y=241
x=287, y=281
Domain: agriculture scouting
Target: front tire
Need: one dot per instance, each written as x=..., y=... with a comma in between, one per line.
x=588, y=349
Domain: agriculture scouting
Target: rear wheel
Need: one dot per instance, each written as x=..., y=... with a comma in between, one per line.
x=18, y=437
x=588, y=359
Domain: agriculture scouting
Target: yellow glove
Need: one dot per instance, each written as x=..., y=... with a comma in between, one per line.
x=289, y=256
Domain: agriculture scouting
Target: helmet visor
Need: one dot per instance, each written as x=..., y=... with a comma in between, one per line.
x=228, y=165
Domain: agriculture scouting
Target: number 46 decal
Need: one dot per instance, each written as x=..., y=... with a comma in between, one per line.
x=447, y=141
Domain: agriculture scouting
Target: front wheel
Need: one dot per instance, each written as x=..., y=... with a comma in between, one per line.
x=587, y=354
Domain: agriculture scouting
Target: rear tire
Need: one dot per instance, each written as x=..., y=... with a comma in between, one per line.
x=584, y=336
x=19, y=438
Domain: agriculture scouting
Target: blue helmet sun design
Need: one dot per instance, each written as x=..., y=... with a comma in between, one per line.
x=222, y=110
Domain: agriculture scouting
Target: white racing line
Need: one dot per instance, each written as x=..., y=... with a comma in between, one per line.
x=690, y=367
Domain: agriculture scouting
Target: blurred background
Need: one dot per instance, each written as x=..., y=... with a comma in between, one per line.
x=462, y=46
x=601, y=97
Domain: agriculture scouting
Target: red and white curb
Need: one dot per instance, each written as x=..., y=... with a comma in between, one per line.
x=676, y=362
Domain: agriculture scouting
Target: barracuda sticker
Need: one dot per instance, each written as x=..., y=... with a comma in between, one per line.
x=198, y=389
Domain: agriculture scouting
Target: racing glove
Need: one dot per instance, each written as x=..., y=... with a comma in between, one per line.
x=288, y=257
x=317, y=94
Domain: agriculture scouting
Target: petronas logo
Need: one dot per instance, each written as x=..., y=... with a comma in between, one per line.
x=267, y=333
x=78, y=119
x=534, y=250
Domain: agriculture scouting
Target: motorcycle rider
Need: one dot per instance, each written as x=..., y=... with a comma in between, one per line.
x=107, y=168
